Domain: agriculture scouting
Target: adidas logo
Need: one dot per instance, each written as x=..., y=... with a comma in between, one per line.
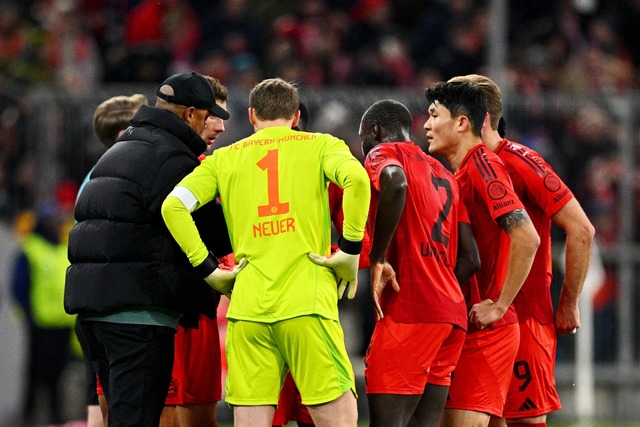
x=528, y=404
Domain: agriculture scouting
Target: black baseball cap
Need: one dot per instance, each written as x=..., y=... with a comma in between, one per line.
x=192, y=90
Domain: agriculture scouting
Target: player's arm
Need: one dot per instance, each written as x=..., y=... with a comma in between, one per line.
x=176, y=212
x=393, y=193
x=468, y=260
x=524, y=242
x=355, y=202
x=522, y=249
x=192, y=192
x=343, y=169
x=579, y=238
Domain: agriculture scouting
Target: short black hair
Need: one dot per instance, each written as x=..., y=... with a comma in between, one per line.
x=502, y=127
x=461, y=99
x=389, y=114
x=303, y=122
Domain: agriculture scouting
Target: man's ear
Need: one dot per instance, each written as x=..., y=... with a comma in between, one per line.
x=487, y=121
x=252, y=116
x=376, y=132
x=296, y=118
x=187, y=114
x=463, y=123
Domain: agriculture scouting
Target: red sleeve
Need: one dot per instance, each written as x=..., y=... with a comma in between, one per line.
x=535, y=177
x=380, y=157
x=335, y=206
x=463, y=213
x=366, y=248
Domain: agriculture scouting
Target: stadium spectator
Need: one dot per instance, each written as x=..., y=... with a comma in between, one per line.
x=70, y=51
x=38, y=289
x=161, y=36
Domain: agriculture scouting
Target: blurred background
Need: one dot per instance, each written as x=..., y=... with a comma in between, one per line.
x=568, y=69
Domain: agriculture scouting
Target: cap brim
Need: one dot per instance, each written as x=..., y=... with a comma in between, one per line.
x=218, y=111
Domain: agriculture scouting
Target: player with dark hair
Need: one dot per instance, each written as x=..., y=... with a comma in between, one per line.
x=508, y=241
x=417, y=223
x=532, y=391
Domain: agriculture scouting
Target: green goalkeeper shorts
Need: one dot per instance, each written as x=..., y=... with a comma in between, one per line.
x=311, y=347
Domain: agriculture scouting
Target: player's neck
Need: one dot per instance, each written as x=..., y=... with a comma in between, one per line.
x=263, y=124
x=492, y=139
x=455, y=158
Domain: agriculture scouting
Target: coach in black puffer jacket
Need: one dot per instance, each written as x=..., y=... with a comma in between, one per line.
x=122, y=255
x=128, y=281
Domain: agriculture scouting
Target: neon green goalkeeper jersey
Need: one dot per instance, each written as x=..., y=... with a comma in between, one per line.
x=273, y=190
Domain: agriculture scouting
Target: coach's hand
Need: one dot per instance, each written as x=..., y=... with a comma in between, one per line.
x=222, y=279
x=345, y=267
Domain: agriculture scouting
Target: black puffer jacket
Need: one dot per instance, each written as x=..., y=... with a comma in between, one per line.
x=122, y=255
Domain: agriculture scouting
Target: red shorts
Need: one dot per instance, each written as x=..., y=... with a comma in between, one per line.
x=532, y=391
x=99, y=389
x=481, y=379
x=403, y=357
x=196, y=376
x=290, y=407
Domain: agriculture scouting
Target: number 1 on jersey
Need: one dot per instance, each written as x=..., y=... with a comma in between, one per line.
x=270, y=164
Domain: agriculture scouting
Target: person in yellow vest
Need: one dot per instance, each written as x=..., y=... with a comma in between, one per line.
x=38, y=289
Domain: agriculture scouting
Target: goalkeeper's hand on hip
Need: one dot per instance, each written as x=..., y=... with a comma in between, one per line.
x=222, y=279
x=344, y=264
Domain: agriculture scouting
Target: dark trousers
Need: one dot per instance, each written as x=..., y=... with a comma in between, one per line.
x=133, y=363
x=90, y=383
x=48, y=358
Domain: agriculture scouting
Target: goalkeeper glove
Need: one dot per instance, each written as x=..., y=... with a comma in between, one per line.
x=222, y=279
x=344, y=264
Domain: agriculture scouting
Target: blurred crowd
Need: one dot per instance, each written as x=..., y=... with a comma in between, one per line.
x=576, y=45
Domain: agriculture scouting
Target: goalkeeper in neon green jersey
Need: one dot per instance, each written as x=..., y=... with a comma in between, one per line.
x=283, y=313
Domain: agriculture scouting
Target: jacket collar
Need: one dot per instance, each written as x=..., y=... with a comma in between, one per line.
x=171, y=123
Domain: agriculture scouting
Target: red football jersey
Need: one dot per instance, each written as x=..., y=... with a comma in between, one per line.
x=488, y=193
x=424, y=247
x=543, y=194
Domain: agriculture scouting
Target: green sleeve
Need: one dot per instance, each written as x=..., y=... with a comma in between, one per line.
x=200, y=185
x=183, y=229
x=342, y=168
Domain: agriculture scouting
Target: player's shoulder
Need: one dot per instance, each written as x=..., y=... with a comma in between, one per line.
x=515, y=149
x=382, y=154
x=481, y=161
x=438, y=167
x=324, y=142
x=521, y=156
x=400, y=150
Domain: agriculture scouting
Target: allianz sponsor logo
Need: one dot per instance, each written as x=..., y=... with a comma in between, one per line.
x=504, y=204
